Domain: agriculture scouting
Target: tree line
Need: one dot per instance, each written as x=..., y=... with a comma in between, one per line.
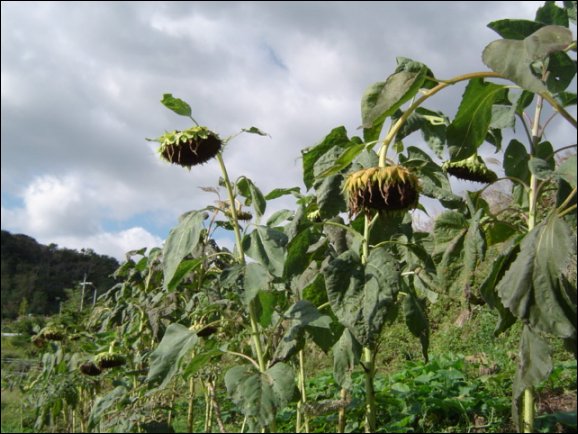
x=34, y=276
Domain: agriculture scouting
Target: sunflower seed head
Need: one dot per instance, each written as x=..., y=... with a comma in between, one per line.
x=470, y=169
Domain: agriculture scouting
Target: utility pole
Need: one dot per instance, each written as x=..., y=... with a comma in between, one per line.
x=83, y=284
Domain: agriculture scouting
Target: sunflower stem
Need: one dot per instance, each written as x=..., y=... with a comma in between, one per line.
x=527, y=415
x=302, y=426
x=368, y=353
x=256, y=334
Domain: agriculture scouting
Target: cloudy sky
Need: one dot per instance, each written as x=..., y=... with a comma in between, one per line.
x=82, y=81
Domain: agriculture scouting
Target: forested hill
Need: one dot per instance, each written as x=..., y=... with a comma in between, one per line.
x=35, y=276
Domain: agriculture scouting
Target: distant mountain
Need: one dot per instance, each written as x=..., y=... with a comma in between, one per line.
x=34, y=276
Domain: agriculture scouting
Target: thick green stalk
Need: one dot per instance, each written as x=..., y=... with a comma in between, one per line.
x=528, y=398
x=368, y=358
x=241, y=256
x=303, y=401
x=370, y=408
x=190, y=410
x=341, y=413
x=528, y=422
x=208, y=410
x=235, y=221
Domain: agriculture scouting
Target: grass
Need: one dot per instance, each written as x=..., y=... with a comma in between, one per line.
x=14, y=418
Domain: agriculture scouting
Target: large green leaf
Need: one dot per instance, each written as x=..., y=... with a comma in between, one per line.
x=279, y=217
x=514, y=58
x=470, y=126
x=570, y=7
x=383, y=99
x=181, y=241
x=346, y=355
x=182, y=271
x=509, y=58
x=337, y=235
x=329, y=190
x=547, y=40
x=534, y=367
x=487, y=288
x=552, y=14
x=431, y=124
x=504, y=113
x=514, y=29
x=416, y=320
x=433, y=181
x=199, y=361
x=531, y=286
x=252, y=194
x=177, y=343
x=345, y=159
x=177, y=105
x=516, y=160
x=304, y=317
x=255, y=279
x=361, y=296
x=567, y=170
x=103, y=404
x=561, y=72
x=278, y=192
x=330, y=198
x=474, y=249
x=459, y=247
x=337, y=137
x=298, y=252
x=260, y=395
x=267, y=246
x=450, y=230
x=540, y=168
x=265, y=307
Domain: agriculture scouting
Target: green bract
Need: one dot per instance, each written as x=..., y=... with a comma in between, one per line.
x=471, y=169
x=190, y=147
x=392, y=189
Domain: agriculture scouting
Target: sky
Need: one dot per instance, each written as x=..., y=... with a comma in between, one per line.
x=81, y=84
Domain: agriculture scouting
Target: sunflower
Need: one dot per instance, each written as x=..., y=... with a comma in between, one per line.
x=109, y=360
x=393, y=189
x=470, y=169
x=89, y=368
x=187, y=148
x=52, y=334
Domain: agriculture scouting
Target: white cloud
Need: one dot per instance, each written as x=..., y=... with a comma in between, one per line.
x=68, y=211
x=81, y=84
x=54, y=206
x=115, y=244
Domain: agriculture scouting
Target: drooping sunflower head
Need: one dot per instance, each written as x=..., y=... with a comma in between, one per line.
x=38, y=340
x=109, y=360
x=187, y=148
x=393, y=189
x=52, y=334
x=89, y=368
x=471, y=169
